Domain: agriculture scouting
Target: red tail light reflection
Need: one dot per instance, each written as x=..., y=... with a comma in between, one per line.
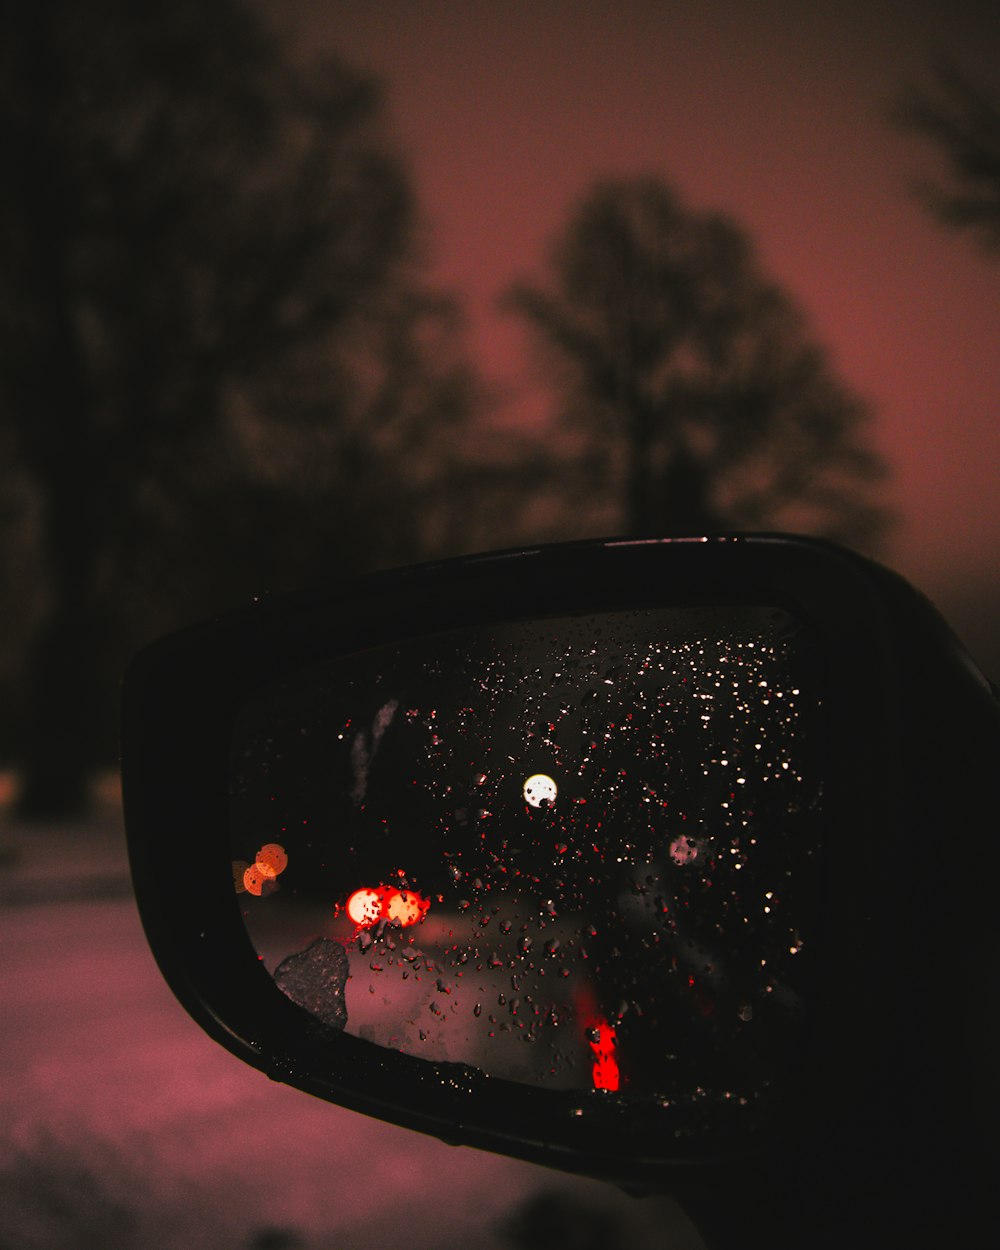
x=603, y=1042
x=601, y=1038
x=367, y=906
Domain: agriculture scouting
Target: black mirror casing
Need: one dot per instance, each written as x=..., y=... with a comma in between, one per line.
x=894, y=1087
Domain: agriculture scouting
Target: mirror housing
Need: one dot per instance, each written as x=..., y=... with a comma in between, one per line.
x=889, y=1083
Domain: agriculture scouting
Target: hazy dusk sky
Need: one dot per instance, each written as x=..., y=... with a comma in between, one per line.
x=773, y=112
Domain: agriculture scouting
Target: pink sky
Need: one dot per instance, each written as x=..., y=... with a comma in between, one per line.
x=773, y=112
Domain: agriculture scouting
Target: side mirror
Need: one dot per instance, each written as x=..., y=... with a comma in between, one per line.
x=665, y=862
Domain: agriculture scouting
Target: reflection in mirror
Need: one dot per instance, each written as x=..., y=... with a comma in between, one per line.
x=578, y=853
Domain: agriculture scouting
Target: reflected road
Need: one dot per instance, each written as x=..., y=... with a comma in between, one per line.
x=124, y=1125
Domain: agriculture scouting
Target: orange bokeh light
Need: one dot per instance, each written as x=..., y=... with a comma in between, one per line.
x=254, y=879
x=271, y=859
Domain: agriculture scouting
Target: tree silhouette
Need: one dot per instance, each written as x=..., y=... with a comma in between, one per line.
x=696, y=401
x=219, y=369
x=962, y=121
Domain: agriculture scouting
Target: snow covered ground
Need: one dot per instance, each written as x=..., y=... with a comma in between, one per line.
x=123, y=1125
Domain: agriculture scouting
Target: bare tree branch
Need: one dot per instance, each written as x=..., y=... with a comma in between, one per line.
x=962, y=123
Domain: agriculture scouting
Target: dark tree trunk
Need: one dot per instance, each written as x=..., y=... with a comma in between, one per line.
x=63, y=737
x=675, y=499
x=58, y=738
x=684, y=495
x=59, y=750
x=641, y=502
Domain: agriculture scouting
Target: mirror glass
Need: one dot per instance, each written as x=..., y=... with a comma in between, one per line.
x=580, y=853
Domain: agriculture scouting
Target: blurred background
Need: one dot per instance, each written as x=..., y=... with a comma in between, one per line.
x=291, y=291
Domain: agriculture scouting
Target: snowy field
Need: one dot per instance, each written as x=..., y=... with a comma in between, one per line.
x=123, y=1125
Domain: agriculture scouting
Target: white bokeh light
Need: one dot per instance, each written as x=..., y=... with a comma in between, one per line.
x=539, y=789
